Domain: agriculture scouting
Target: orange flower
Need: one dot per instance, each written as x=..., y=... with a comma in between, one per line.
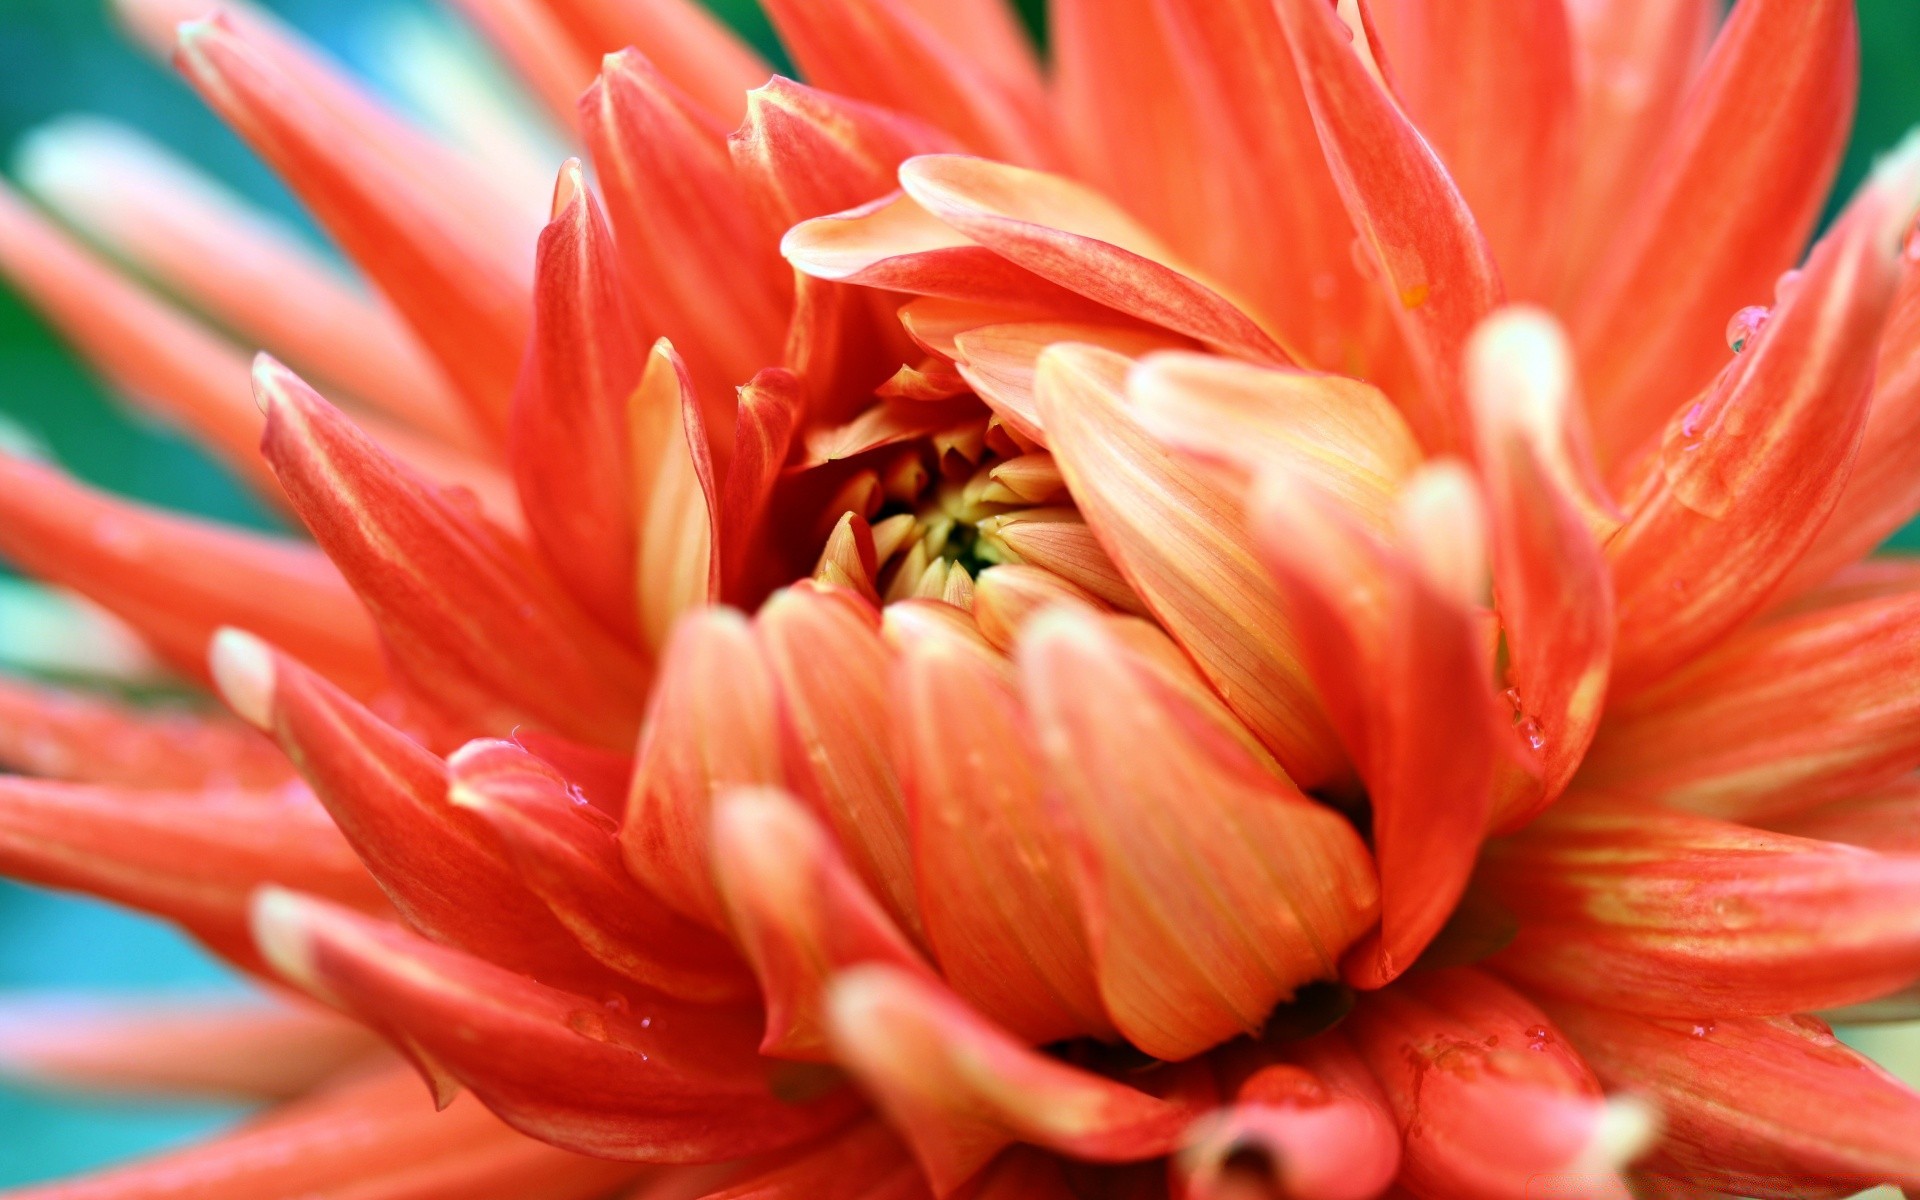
x=1212, y=622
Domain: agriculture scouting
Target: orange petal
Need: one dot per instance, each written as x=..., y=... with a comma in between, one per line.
x=1674, y=915
x=649, y=1081
x=165, y=360
x=1492, y=85
x=1176, y=534
x=443, y=867
x=867, y=1162
x=960, y=1090
x=770, y=410
x=1153, y=788
x=992, y=869
x=417, y=222
x=1547, y=515
x=1395, y=640
x=567, y=432
x=1771, y=1107
x=379, y=1137
x=1882, y=493
x=188, y=857
x=220, y=1048
x=222, y=255
x=1060, y=541
x=1007, y=596
x=477, y=628
x=1342, y=434
x=902, y=54
x=176, y=579
x=1002, y=361
x=1794, y=712
x=713, y=725
x=1637, y=56
x=1490, y=1096
x=567, y=855
x=1885, y=819
x=697, y=257
x=834, y=724
x=799, y=912
x=81, y=738
x=1424, y=247
x=1748, y=475
x=1067, y=233
x=1739, y=181
x=677, y=506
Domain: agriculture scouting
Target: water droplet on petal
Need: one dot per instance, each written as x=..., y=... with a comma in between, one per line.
x=1539, y=1037
x=1535, y=735
x=1745, y=325
x=1703, y=1029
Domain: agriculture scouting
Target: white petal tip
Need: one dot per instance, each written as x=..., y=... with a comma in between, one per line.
x=242, y=668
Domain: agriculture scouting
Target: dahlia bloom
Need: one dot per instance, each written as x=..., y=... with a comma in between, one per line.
x=1226, y=618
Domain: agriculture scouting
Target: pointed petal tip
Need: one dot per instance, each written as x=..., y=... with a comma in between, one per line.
x=243, y=671
x=568, y=188
x=1627, y=1129
x=279, y=920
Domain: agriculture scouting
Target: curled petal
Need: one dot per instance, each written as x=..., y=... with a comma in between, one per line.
x=1739, y=181
x=216, y=1048
x=1059, y=540
x=1152, y=789
x=713, y=725
x=799, y=912
x=474, y=625
x=960, y=1090
x=1749, y=473
x=415, y=221
x=1674, y=915
x=1757, y=1106
x=1426, y=251
x=867, y=1162
x=1064, y=232
x=771, y=407
x=1547, y=512
x=1176, y=533
x=642, y=1082
x=567, y=855
x=1489, y=1095
x=82, y=738
x=677, y=508
x=1002, y=362
x=193, y=858
x=1007, y=596
x=443, y=867
x=176, y=579
x=834, y=721
x=992, y=870
x=1796, y=711
x=902, y=54
x=379, y=1133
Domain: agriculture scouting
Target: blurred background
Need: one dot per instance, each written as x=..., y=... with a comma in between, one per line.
x=62, y=56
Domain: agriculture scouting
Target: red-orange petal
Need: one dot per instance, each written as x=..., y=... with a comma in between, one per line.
x=1674, y=915
x=81, y=738
x=960, y=1090
x=645, y=1081
x=1757, y=1106
x=1186, y=955
x=1739, y=181
x=474, y=624
x=867, y=1162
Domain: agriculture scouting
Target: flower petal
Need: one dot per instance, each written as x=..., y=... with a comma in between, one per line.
x=1766, y=1107
x=417, y=222
x=1426, y=251
x=1885, y=819
x=1153, y=788
x=1007, y=596
x=960, y=1090
x=1738, y=182
x=1001, y=361
x=1489, y=1095
x=1067, y=233
x=867, y=1162
x=649, y=1081
x=1674, y=915
x=443, y=867
x=1175, y=533
x=78, y=737
x=1059, y=540
x=992, y=870
x=567, y=855
x=677, y=508
x=192, y=858
x=474, y=625
x=380, y=1133
x=176, y=579
x=1547, y=515
x=1747, y=476
x=834, y=722
x=713, y=725
x=799, y=912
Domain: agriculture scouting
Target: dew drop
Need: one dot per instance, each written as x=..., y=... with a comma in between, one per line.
x=616, y=1003
x=1539, y=1037
x=1703, y=1029
x=1535, y=735
x=1746, y=325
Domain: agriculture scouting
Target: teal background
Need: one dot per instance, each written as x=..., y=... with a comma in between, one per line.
x=59, y=56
